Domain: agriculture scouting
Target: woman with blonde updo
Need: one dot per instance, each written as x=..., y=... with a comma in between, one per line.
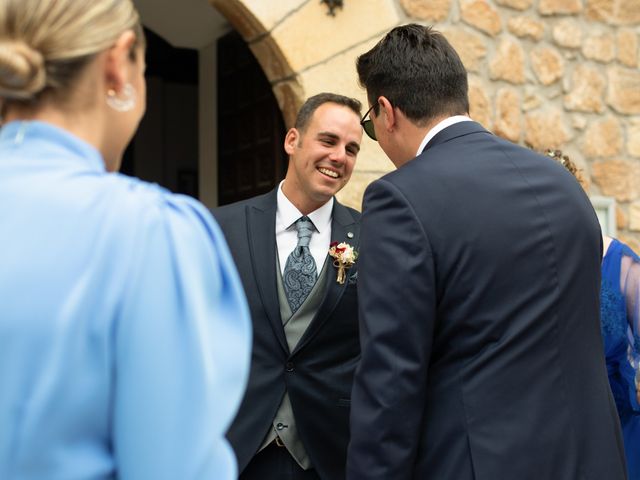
x=124, y=330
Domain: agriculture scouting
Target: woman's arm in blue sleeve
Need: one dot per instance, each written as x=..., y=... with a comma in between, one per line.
x=630, y=287
x=182, y=350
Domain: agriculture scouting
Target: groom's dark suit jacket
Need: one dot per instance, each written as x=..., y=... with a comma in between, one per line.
x=318, y=374
x=482, y=357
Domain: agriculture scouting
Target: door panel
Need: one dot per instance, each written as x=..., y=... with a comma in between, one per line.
x=251, y=156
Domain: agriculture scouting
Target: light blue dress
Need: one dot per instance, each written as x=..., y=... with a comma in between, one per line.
x=620, y=309
x=124, y=331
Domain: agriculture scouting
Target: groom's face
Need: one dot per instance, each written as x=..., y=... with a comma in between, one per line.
x=321, y=159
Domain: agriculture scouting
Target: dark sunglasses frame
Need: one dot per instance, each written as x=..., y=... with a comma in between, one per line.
x=367, y=124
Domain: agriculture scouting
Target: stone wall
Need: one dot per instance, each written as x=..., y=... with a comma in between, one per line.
x=544, y=73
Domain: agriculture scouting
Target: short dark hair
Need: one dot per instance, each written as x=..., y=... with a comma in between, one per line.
x=311, y=105
x=418, y=71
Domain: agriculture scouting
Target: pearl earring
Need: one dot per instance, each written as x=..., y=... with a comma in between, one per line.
x=123, y=102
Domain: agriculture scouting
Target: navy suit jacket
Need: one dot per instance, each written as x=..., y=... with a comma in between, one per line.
x=318, y=374
x=482, y=357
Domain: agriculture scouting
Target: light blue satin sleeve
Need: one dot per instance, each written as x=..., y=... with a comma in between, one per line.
x=124, y=330
x=182, y=350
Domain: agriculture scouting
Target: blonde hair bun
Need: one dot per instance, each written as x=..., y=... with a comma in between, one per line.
x=22, y=70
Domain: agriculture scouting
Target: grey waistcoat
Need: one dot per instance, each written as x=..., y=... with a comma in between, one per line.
x=284, y=425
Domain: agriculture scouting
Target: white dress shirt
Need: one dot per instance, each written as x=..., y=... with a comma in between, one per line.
x=287, y=235
x=447, y=122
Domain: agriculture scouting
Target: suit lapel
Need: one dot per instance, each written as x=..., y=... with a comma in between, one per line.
x=342, y=224
x=261, y=219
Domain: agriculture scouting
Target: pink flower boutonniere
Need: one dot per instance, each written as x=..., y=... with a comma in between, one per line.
x=344, y=256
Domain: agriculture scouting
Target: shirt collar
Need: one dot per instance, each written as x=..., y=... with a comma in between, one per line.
x=447, y=122
x=287, y=212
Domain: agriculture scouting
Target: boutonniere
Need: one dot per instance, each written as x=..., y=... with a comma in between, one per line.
x=344, y=256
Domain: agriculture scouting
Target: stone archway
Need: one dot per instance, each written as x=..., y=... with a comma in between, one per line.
x=247, y=23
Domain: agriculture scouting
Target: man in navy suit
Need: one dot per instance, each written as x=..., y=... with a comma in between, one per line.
x=294, y=420
x=479, y=280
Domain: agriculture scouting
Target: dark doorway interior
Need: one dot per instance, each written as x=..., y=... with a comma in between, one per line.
x=165, y=148
x=251, y=156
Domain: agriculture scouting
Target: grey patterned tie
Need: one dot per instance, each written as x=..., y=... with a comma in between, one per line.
x=300, y=269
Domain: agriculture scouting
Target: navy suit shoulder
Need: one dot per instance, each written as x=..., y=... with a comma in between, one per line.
x=228, y=213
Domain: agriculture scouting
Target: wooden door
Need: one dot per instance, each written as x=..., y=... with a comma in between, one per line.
x=251, y=156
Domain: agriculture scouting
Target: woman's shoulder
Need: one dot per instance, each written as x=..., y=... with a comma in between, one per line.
x=141, y=197
x=144, y=209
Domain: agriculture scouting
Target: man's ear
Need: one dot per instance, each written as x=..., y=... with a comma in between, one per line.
x=118, y=61
x=291, y=140
x=388, y=113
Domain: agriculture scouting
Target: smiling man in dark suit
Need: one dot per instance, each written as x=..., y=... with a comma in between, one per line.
x=293, y=421
x=478, y=289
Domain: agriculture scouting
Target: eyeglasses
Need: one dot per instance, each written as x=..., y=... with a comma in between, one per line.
x=367, y=124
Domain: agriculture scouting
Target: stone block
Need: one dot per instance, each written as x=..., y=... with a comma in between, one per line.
x=471, y=46
x=622, y=220
x=603, y=138
x=634, y=217
x=516, y=4
x=526, y=27
x=623, y=92
x=559, y=7
x=600, y=47
x=508, y=122
x=547, y=63
x=479, y=103
x=508, y=62
x=545, y=129
x=633, y=137
x=568, y=33
x=481, y=15
x=431, y=11
x=614, y=12
x=586, y=92
x=627, y=40
x=617, y=178
x=579, y=122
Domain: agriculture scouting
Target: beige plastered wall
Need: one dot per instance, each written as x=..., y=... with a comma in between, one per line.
x=544, y=73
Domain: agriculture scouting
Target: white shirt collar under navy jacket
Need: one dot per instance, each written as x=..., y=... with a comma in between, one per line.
x=447, y=122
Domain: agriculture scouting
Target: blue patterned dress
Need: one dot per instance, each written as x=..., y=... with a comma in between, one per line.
x=620, y=305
